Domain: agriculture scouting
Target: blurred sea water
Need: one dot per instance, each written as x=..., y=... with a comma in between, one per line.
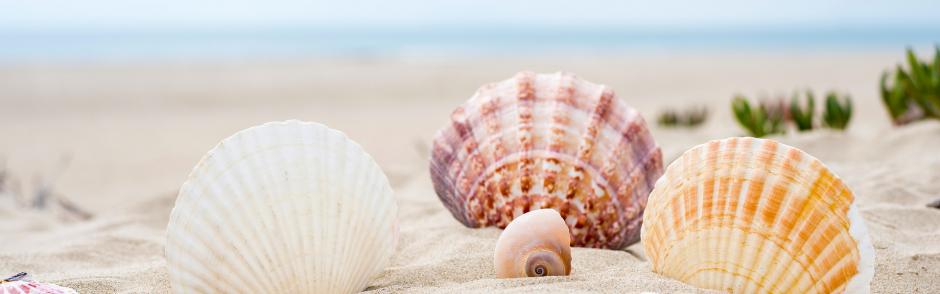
x=180, y=44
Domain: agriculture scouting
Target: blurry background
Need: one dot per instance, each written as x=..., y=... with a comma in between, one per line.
x=184, y=30
x=111, y=101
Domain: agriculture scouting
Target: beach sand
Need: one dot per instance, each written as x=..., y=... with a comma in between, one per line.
x=119, y=140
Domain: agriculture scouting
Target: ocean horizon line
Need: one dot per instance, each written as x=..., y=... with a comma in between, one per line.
x=130, y=44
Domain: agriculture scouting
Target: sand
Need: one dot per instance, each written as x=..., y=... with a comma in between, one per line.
x=119, y=139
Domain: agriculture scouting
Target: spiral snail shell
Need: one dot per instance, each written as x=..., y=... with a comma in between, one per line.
x=535, y=244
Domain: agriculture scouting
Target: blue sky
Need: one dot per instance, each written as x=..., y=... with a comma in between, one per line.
x=19, y=15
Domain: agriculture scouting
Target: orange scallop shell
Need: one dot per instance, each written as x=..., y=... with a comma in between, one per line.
x=748, y=215
x=548, y=141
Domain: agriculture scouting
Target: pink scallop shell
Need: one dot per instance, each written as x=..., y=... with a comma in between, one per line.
x=548, y=141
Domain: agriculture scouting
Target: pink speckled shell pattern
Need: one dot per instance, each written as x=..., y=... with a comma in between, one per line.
x=22, y=284
x=548, y=141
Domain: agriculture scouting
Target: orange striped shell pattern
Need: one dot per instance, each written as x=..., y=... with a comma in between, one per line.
x=749, y=215
x=548, y=141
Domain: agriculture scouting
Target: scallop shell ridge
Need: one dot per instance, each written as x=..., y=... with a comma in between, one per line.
x=286, y=207
x=548, y=141
x=793, y=225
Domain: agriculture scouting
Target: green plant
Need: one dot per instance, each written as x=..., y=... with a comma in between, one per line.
x=838, y=111
x=691, y=117
x=913, y=94
x=802, y=117
x=668, y=118
x=758, y=121
x=771, y=116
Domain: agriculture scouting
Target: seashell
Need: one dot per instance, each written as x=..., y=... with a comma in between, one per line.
x=749, y=215
x=548, y=141
x=22, y=284
x=534, y=244
x=285, y=207
x=934, y=204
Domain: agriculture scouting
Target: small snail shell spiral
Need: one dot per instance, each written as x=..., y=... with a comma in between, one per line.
x=535, y=244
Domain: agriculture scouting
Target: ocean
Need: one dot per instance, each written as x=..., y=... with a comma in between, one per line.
x=183, y=44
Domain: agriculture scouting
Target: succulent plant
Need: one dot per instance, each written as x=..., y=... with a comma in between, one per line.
x=912, y=94
x=838, y=111
x=776, y=107
x=668, y=118
x=758, y=121
x=690, y=117
x=802, y=117
x=771, y=116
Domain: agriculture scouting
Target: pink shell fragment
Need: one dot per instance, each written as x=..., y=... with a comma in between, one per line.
x=22, y=284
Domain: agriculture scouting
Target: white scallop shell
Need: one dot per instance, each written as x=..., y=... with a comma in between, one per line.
x=285, y=207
